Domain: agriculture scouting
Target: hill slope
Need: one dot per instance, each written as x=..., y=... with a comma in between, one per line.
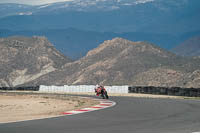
x=119, y=61
x=25, y=59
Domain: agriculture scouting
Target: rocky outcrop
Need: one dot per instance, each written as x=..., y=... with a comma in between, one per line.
x=193, y=80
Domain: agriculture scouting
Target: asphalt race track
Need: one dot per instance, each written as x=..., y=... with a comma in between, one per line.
x=130, y=115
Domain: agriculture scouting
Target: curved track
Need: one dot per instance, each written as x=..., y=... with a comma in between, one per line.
x=130, y=115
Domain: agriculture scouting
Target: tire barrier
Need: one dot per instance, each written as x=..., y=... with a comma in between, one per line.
x=33, y=88
x=172, y=91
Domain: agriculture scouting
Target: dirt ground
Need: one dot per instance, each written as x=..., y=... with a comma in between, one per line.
x=18, y=107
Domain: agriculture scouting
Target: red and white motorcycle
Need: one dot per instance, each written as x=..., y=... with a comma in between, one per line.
x=101, y=91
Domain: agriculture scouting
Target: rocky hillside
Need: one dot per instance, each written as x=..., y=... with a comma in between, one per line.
x=25, y=59
x=34, y=61
x=190, y=47
x=119, y=61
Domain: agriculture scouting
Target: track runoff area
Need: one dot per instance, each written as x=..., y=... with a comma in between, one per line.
x=120, y=114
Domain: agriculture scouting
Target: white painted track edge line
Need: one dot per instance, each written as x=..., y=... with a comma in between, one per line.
x=99, y=107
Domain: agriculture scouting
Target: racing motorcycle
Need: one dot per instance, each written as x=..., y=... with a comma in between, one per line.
x=101, y=91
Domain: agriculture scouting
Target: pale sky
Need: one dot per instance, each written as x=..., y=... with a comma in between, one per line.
x=32, y=2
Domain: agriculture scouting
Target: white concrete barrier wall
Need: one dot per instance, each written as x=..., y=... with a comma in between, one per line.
x=82, y=88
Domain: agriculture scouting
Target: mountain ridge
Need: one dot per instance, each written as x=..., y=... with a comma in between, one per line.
x=135, y=18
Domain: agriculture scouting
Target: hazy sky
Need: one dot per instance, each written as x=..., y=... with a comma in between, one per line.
x=32, y=2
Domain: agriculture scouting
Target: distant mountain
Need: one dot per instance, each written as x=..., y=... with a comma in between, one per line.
x=15, y=9
x=25, y=59
x=69, y=6
x=119, y=61
x=154, y=16
x=190, y=47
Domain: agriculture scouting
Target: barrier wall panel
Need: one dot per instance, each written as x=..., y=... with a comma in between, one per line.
x=82, y=88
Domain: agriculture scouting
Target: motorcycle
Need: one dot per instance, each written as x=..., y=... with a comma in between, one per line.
x=102, y=92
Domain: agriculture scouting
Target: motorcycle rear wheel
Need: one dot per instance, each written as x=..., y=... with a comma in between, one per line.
x=106, y=95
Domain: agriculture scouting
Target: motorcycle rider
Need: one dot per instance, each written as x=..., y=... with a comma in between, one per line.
x=102, y=89
x=99, y=89
x=96, y=87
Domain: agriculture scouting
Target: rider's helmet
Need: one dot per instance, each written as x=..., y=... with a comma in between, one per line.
x=97, y=86
x=102, y=87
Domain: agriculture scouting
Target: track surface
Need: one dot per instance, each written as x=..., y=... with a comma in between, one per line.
x=130, y=115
